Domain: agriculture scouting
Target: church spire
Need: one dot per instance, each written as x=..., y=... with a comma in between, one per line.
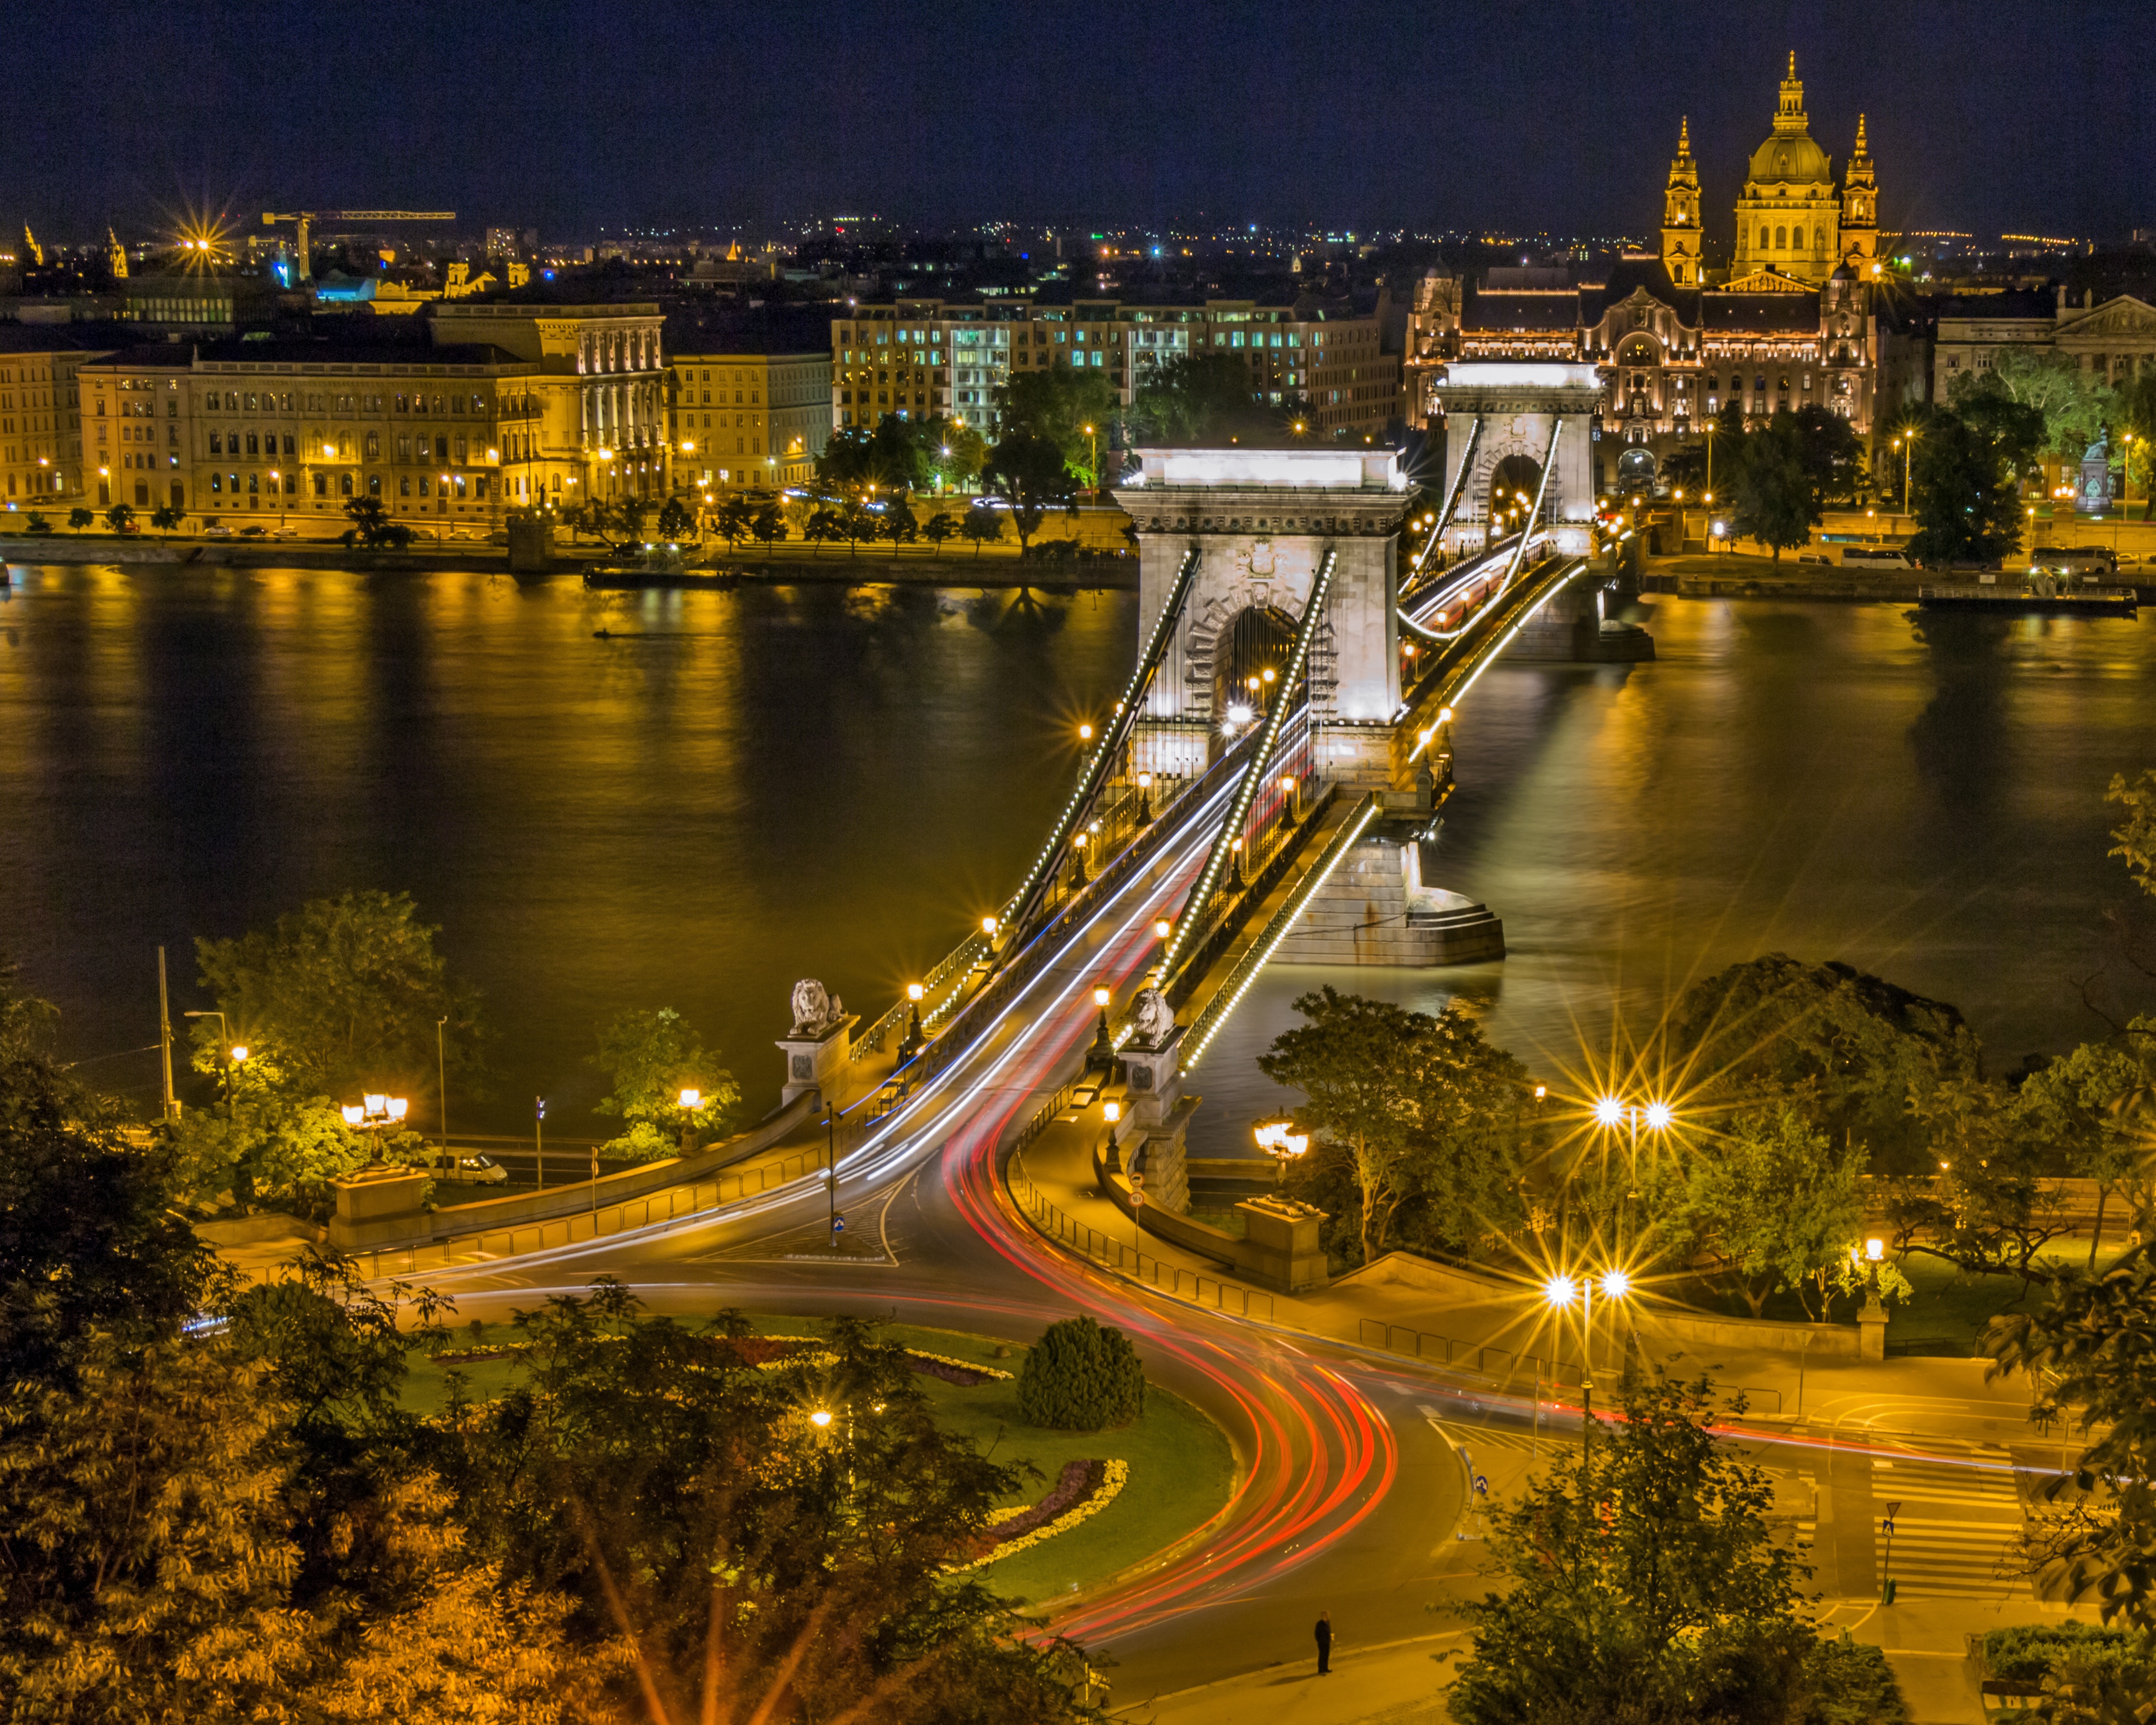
x=1681, y=213
x=1789, y=116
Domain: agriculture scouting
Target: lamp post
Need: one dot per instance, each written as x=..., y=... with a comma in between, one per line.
x=235, y=1054
x=1103, y=1054
x=1558, y=1293
x=442, y=1073
x=915, y=1036
x=375, y=1113
x=831, y=1169
x=1093, y=443
x=1145, y=799
x=1280, y=1140
x=277, y=480
x=691, y=1100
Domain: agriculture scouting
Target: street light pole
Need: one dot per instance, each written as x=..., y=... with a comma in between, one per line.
x=442, y=1066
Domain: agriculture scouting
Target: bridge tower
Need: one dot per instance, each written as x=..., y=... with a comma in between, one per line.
x=1522, y=405
x=1262, y=522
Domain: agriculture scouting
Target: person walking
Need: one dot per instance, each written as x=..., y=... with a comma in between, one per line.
x=1325, y=1644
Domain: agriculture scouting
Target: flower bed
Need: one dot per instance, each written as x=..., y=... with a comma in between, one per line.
x=1082, y=1489
x=963, y=1373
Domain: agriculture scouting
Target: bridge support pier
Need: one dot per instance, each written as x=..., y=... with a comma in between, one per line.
x=1575, y=628
x=1376, y=909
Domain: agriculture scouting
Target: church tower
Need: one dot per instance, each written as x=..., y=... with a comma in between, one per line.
x=1788, y=215
x=1860, y=210
x=1681, y=214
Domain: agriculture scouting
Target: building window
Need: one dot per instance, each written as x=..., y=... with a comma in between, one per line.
x=1796, y=239
x=343, y=484
x=216, y=443
x=374, y=485
x=404, y=486
x=374, y=453
x=322, y=484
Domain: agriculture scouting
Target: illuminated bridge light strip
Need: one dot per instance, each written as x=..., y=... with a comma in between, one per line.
x=1535, y=513
x=1487, y=652
x=1112, y=737
x=1451, y=503
x=1254, y=962
x=1201, y=895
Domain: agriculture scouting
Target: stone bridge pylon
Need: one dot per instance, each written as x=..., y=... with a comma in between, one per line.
x=1262, y=521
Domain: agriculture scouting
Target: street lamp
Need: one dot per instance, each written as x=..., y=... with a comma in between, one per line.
x=1145, y=799
x=1093, y=443
x=1558, y=1293
x=277, y=480
x=915, y=1035
x=375, y=1113
x=1280, y=1140
x=691, y=1100
x=1104, y=1043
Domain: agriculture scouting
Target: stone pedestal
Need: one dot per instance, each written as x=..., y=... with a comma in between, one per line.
x=531, y=545
x=1163, y=1159
x=818, y=1062
x=375, y=1204
x=1871, y=1330
x=1155, y=1070
x=1282, y=1239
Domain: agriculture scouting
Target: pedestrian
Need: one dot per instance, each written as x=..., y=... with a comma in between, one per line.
x=1325, y=1644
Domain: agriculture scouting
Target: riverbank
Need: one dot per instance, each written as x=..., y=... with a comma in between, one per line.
x=1732, y=575
x=712, y=568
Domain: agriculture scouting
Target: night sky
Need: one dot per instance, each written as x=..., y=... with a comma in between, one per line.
x=575, y=116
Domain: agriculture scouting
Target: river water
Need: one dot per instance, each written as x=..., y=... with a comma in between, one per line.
x=728, y=791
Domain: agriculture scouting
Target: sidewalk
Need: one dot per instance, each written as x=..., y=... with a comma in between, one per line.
x=1389, y=1685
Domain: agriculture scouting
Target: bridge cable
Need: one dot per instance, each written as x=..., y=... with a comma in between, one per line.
x=1451, y=503
x=1534, y=514
x=1246, y=791
x=1113, y=736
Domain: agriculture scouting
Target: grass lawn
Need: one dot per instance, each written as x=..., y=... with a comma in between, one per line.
x=1181, y=1466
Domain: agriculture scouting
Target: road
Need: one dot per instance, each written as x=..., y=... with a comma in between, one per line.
x=1352, y=1489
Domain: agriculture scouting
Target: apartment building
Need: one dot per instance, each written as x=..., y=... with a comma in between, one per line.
x=922, y=357
x=41, y=460
x=743, y=420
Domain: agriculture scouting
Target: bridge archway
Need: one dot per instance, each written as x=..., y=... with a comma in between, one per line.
x=1250, y=657
x=1514, y=483
x=1519, y=404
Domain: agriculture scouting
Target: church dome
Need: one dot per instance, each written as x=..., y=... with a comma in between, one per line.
x=1784, y=160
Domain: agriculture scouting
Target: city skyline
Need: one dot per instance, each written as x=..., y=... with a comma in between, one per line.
x=1351, y=120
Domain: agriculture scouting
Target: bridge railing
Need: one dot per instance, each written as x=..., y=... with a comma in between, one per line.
x=1041, y=950
x=1125, y=1257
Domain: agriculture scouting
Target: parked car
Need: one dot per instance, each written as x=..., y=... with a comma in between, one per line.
x=253, y=532
x=216, y=530
x=470, y=1170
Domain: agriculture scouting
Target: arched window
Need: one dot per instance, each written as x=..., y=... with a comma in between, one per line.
x=1796, y=239
x=344, y=484
x=1781, y=239
x=1766, y=239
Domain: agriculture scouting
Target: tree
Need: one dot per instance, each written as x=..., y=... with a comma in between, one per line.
x=651, y=1057
x=79, y=518
x=120, y=517
x=769, y=525
x=1770, y=486
x=577, y=517
x=958, y=452
x=1080, y=1378
x=166, y=519
x=825, y=526
x=984, y=525
x=859, y=525
x=765, y=1565
x=675, y=520
x=89, y=1245
x=36, y=522
x=900, y=526
x=2088, y=1110
x=1777, y=1203
x=344, y=996
x=1058, y=403
x=629, y=515
x=2065, y=405
x=1968, y=507
x=1027, y=472
x=267, y=1140
x=1197, y=397
x=1831, y=457
x=370, y=527
x=1645, y=1586
x=1854, y=1047
x=938, y=528
x=1348, y=1061
x=2090, y=1356
x=736, y=519
x=1471, y=1106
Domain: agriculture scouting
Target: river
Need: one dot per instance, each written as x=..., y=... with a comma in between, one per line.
x=728, y=792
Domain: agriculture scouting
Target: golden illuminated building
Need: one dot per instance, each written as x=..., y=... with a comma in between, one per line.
x=40, y=429
x=1792, y=219
x=741, y=419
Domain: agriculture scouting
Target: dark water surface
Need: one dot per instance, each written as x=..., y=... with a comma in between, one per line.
x=733, y=791
x=736, y=790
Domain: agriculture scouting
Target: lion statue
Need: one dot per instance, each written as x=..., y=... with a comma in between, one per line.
x=814, y=1011
x=1154, y=1017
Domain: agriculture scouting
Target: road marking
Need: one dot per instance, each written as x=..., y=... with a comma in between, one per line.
x=1955, y=1534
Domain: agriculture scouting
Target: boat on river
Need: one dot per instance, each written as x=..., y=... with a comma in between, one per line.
x=2032, y=601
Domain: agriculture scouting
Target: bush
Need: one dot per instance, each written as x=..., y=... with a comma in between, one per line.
x=2030, y=1652
x=1851, y=1684
x=1079, y=1378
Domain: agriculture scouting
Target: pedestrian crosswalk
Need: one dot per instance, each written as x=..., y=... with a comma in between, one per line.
x=1956, y=1527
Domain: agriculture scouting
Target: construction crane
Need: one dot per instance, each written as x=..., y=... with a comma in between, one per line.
x=304, y=220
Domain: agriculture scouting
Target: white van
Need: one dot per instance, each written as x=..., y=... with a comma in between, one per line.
x=1875, y=556
x=2082, y=563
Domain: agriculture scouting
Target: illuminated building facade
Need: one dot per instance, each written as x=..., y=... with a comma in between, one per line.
x=41, y=418
x=744, y=419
